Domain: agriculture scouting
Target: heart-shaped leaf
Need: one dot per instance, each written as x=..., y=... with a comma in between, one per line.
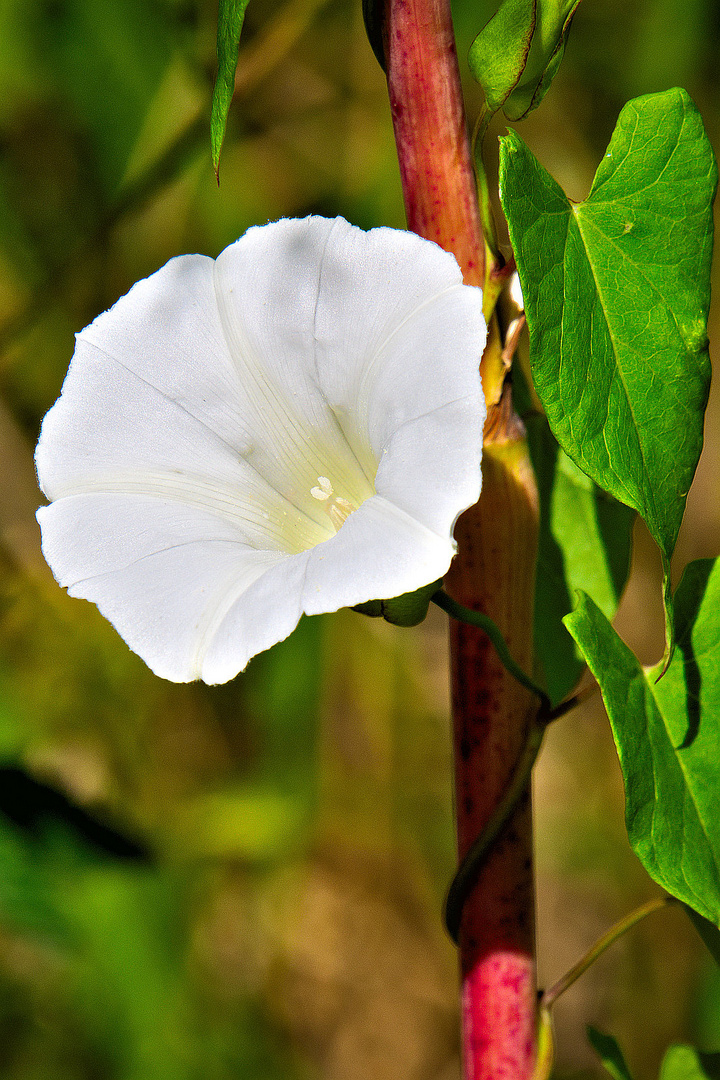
x=616, y=291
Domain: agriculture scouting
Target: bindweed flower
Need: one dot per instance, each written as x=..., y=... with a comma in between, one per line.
x=292, y=427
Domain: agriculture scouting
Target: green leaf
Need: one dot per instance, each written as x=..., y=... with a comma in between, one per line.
x=552, y=27
x=585, y=542
x=617, y=291
x=499, y=53
x=517, y=53
x=687, y=1063
x=707, y=931
x=607, y=1049
x=231, y=15
x=667, y=734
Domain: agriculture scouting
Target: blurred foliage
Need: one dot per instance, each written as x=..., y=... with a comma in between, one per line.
x=245, y=881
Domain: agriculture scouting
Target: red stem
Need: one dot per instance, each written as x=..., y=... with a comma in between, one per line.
x=429, y=121
x=493, y=572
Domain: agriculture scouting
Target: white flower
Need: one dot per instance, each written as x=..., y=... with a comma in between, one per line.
x=293, y=427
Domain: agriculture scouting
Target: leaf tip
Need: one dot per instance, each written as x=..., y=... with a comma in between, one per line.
x=666, y=660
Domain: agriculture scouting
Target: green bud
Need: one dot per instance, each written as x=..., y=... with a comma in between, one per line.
x=373, y=608
x=406, y=610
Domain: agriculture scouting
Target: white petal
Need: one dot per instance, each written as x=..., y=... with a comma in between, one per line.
x=112, y=433
x=351, y=334
x=267, y=293
x=160, y=348
x=431, y=467
x=264, y=614
x=397, y=333
x=164, y=575
x=379, y=552
x=118, y=427
x=194, y=601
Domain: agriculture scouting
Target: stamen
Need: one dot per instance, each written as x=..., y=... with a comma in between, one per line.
x=338, y=509
x=323, y=491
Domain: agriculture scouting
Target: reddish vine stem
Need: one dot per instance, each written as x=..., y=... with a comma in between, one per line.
x=494, y=571
x=428, y=115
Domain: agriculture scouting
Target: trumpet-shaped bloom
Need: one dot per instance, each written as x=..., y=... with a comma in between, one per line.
x=292, y=427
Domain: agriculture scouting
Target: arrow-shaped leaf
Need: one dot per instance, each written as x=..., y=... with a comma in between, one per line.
x=617, y=290
x=667, y=734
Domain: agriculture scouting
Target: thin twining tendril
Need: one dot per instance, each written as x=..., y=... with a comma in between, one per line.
x=469, y=869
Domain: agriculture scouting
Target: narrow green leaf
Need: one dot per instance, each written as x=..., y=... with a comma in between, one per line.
x=585, y=542
x=607, y=1049
x=517, y=53
x=687, y=1063
x=617, y=291
x=667, y=734
x=231, y=15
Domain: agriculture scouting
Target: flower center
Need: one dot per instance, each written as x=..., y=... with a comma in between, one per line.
x=338, y=509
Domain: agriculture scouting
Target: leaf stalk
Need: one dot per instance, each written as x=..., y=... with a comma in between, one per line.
x=550, y=996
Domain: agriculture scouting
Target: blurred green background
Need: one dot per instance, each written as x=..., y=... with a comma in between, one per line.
x=267, y=902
